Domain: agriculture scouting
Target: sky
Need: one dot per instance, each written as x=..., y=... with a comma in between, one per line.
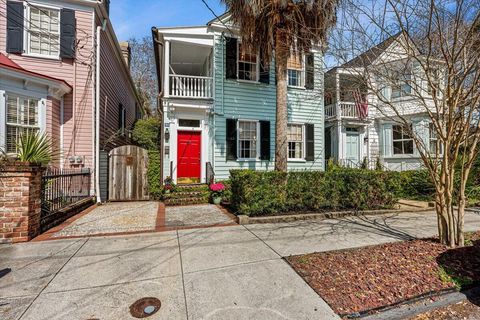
x=135, y=18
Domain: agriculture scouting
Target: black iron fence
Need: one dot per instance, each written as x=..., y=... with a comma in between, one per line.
x=62, y=188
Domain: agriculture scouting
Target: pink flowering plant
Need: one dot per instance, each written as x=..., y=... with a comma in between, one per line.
x=217, y=189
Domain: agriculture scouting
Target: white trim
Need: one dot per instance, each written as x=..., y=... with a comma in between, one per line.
x=62, y=120
x=258, y=141
x=3, y=118
x=173, y=141
x=257, y=65
x=27, y=31
x=304, y=140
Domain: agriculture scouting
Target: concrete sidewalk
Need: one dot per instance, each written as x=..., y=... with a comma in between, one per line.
x=230, y=272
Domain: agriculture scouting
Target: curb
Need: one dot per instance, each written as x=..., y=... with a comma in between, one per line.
x=245, y=220
x=414, y=307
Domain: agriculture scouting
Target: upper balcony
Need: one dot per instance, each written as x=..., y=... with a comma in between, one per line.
x=346, y=110
x=345, y=97
x=188, y=63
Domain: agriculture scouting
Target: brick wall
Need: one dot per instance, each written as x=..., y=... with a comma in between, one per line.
x=20, y=202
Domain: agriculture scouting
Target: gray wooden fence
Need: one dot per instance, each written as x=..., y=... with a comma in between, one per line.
x=128, y=174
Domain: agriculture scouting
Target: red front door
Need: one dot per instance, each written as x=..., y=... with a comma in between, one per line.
x=188, y=159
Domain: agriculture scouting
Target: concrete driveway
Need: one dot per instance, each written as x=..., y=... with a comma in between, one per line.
x=232, y=272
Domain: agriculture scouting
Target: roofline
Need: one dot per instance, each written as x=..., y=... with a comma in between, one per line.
x=181, y=27
x=20, y=73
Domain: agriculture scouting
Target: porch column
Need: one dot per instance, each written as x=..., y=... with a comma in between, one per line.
x=337, y=94
x=166, y=85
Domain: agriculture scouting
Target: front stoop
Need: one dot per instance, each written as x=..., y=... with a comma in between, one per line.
x=188, y=194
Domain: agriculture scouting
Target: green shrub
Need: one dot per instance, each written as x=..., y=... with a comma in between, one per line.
x=263, y=193
x=154, y=175
x=147, y=133
x=258, y=193
x=416, y=185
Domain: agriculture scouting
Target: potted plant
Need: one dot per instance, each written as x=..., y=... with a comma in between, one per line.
x=168, y=185
x=217, y=190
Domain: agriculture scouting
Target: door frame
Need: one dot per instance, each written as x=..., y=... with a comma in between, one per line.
x=173, y=141
x=201, y=147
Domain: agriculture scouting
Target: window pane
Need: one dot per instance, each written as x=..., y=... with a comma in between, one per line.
x=12, y=110
x=397, y=132
x=408, y=147
x=397, y=147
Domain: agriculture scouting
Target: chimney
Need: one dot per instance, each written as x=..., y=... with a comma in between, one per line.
x=125, y=46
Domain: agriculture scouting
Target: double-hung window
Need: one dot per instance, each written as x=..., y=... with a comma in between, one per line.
x=295, y=70
x=247, y=64
x=433, y=139
x=295, y=141
x=402, y=141
x=247, y=139
x=43, y=31
x=402, y=87
x=22, y=116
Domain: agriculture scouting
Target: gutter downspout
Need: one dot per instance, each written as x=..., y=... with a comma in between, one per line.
x=97, y=111
x=159, y=48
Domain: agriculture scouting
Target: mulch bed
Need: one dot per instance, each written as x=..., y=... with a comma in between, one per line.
x=467, y=310
x=359, y=280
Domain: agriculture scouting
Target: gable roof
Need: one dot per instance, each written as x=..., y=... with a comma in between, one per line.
x=369, y=56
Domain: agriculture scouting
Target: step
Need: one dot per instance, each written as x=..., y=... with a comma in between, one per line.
x=191, y=194
x=185, y=201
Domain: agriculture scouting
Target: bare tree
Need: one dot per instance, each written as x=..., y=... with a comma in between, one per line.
x=143, y=72
x=427, y=52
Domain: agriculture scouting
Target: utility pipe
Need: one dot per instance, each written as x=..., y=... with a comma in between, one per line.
x=97, y=110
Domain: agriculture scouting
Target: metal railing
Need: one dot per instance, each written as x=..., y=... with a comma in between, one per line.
x=210, y=174
x=62, y=188
x=190, y=86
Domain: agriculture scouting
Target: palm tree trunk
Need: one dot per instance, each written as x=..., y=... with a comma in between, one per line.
x=281, y=150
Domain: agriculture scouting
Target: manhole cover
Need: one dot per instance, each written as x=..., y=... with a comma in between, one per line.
x=145, y=307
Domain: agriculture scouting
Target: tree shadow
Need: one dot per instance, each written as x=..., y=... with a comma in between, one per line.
x=463, y=267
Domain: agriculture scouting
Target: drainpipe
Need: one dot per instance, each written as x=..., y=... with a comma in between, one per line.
x=97, y=110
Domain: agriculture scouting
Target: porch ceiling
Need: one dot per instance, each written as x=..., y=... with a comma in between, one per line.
x=188, y=59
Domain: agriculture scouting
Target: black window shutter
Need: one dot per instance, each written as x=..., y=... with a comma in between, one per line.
x=15, y=27
x=264, y=140
x=231, y=58
x=264, y=70
x=231, y=139
x=309, y=71
x=310, y=142
x=68, y=29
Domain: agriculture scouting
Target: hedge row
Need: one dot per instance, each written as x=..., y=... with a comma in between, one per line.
x=264, y=193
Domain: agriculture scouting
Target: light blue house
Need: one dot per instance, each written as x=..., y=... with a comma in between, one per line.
x=219, y=104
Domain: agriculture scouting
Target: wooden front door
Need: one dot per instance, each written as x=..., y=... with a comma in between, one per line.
x=189, y=156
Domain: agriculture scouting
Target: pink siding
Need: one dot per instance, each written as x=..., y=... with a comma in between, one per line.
x=78, y=105
x=115, y=89
x=79, y=74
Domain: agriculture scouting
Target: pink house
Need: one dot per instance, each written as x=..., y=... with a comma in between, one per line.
x=63, y=72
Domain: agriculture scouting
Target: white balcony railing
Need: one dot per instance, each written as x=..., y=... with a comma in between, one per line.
x=190, y=87
x=342, y=110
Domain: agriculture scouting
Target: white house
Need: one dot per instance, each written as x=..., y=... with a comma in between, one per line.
x=361, y=123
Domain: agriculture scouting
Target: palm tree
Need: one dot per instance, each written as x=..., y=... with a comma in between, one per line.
x=278, y=28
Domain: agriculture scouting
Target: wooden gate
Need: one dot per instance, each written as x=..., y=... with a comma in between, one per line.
x=128, y=174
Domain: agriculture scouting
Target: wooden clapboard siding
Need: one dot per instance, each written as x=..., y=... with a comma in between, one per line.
x=128, y=174
x=256, y=101
x=78, y=73
x=115, y=89
x=104, y=175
